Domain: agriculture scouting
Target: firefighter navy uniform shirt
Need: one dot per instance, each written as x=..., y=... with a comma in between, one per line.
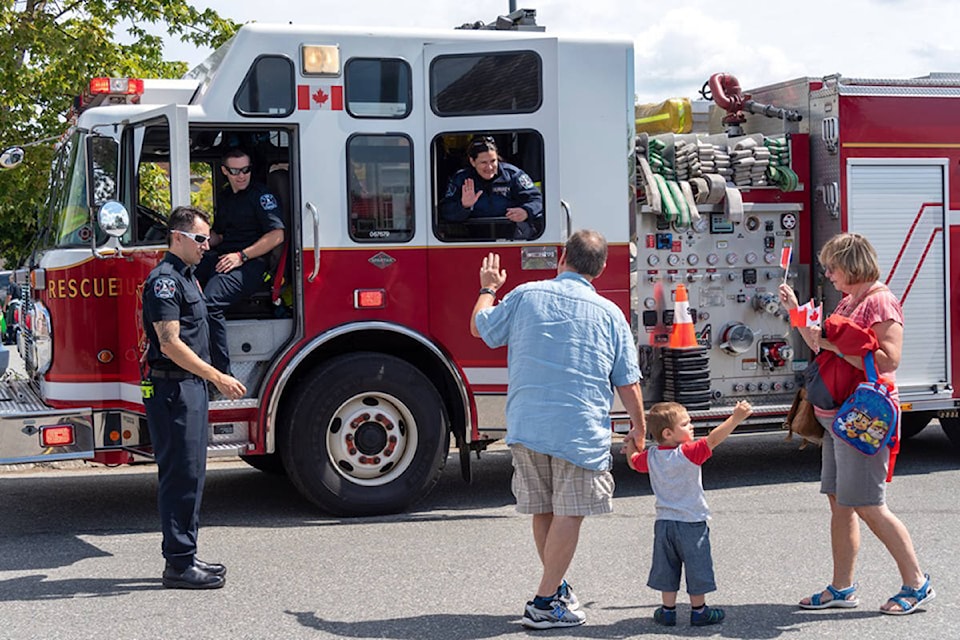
x=244, y=217
x=171, y=292
x=511, y=187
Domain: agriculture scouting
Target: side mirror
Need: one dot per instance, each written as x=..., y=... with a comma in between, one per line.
x=102, y=164
x=114, y=220
x=11, y=157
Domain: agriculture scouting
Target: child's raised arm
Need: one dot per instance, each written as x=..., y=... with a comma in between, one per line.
x=740, y=413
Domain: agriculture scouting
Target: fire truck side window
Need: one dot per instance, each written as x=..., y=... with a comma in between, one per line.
x=517, y=182
x=268, y=89
x=377, y=88
x=380, y=188
x=486, y=83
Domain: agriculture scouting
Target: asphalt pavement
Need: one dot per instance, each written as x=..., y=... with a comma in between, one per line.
x=80, y=556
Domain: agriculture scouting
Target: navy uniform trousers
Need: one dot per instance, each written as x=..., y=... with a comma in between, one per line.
x=177, y=419
x=221, y=291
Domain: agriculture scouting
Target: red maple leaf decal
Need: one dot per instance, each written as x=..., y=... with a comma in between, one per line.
x=320, y=97
x=813, y=316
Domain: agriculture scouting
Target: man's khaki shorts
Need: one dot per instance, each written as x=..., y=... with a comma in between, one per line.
x=545, y=484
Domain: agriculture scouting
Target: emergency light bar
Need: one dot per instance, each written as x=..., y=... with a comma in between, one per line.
x=109, y=91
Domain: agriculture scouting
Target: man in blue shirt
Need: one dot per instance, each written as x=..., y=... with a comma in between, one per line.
x=567, y=348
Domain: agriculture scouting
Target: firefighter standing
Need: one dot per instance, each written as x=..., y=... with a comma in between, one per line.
x=175, y=397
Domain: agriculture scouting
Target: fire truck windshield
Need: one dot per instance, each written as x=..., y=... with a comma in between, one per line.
x=69, y=209
x=69, y=212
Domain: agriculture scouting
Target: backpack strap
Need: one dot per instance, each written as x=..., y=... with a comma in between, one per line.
x=870, y=367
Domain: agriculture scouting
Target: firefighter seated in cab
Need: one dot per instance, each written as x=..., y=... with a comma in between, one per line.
x=246, y=228
x=494, y=193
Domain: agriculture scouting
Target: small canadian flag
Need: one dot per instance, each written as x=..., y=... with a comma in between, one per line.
x=313, y=97
x=807, y=315
x=785, y=254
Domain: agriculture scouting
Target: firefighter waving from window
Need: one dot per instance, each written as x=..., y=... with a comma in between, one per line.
x=491, y=192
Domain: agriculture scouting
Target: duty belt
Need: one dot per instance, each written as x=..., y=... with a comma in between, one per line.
x=161, y=374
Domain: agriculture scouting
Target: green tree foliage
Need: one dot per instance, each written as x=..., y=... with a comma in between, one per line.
x=50, y=52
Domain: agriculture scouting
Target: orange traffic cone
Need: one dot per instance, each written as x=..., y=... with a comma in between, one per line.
x=683, y=336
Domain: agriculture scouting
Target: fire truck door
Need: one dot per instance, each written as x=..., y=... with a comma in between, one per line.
x=899, y=206
x=506, y=90
x=173, y=118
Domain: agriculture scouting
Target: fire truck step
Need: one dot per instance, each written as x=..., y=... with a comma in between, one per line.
x=227, y=449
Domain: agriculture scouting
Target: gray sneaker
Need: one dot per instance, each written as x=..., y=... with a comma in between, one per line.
x=568, y=597
x=558, y=615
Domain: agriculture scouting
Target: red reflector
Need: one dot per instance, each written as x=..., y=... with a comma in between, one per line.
x=56, y=436
x=370, y=298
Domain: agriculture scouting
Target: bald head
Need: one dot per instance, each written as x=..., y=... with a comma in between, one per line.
x=586, y=252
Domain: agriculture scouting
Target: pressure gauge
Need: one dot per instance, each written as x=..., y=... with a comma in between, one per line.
x=673, y=259
x=769, y=258
x=751, y=257
x=732, y=258
x=693, y=259
x=701, y=225
x=653, y=259
x=712, y=258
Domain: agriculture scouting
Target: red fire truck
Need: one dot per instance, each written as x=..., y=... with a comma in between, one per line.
x=357, y=353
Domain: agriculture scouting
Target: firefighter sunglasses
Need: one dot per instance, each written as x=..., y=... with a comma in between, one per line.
x=235, y=171
x=199, y=238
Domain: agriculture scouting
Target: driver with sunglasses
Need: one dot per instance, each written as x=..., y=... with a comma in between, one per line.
x=247, y=226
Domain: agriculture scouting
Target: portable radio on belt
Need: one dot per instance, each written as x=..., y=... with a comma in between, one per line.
x=146, y=384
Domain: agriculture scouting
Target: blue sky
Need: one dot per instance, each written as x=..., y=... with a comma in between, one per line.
x=680, y=43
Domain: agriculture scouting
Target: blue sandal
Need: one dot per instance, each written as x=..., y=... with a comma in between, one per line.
x=842, y=598
x=924, y=594
x=666, y=617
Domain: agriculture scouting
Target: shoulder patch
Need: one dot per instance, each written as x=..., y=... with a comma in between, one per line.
x=165, y=288
x=268, y=202
x=524, y=181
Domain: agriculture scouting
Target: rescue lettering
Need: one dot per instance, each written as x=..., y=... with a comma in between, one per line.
x=84, y=288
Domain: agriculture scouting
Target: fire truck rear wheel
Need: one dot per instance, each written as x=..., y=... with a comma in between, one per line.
x=914, y=422
x=366, y=434
x=951, y=427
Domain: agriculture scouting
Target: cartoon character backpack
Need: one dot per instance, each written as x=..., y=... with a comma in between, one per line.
x=869, y=419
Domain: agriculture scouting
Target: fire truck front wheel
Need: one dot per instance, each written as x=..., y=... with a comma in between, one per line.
x=366, y=434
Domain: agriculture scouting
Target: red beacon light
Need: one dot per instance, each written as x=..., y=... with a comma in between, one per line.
x=110, y=91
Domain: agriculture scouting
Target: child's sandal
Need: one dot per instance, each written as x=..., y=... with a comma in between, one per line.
x=841, y=598
x=665, y=617
x=706, y=616
x=924, y=594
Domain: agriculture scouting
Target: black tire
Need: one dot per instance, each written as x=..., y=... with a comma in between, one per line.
x=914, y=422
x=951, y=427
x=366, y=434
x=271, y=463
